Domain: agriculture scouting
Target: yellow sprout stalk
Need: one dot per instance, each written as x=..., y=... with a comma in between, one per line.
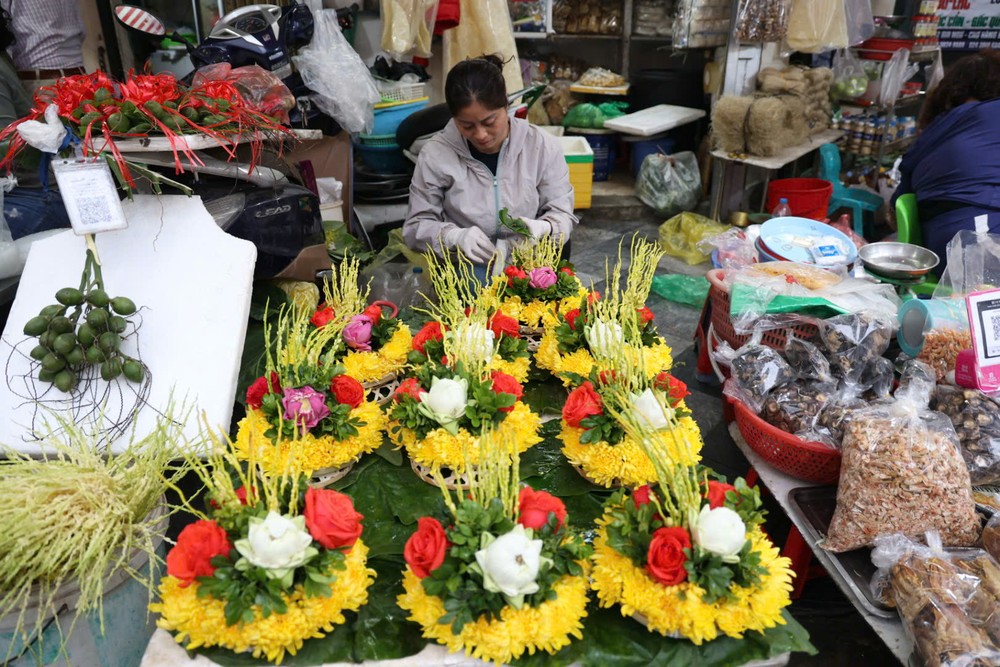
x=495, y=477
x=342, y=291
x=544, y=252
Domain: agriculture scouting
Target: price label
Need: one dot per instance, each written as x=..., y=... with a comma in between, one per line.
x=89, y=194
x=984, y=323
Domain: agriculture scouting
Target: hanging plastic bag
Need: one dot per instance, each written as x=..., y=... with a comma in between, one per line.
x=817, y=25
x=902, y=473
x=670, y=184
x=973, y=262
x=859, y=19
x=947, y=599
x=760, y=21
x=344, y=88
x=896, y=72
x=849, y=78
x=408, y=27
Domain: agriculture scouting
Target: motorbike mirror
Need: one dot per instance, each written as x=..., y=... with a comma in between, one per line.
x=140, y=20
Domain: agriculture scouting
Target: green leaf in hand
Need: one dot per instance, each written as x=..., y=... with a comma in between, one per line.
x=515, y=225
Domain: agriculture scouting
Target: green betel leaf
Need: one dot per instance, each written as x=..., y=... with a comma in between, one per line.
x=515, y=225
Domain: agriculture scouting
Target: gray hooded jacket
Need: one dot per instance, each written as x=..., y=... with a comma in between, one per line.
x=451, y=189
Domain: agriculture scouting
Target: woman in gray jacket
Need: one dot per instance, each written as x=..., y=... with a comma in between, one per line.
x=484, y=161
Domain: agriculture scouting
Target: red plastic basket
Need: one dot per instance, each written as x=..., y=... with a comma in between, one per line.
x=811, y=461
x=723, y=325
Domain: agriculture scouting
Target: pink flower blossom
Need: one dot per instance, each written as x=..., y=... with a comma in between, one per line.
x=305, y=406
x=542, y=278
x=358, y=333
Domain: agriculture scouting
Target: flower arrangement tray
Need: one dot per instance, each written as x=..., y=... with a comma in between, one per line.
x=816, y=505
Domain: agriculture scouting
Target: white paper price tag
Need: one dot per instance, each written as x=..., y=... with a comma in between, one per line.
x=89, y=193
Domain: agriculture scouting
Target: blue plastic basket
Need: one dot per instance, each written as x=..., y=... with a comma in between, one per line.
x=651, y=146
x=388, y=119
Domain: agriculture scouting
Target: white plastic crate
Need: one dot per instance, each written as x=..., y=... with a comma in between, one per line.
x=395, y=91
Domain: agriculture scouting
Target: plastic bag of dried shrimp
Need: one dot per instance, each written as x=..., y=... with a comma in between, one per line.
x=902, y=472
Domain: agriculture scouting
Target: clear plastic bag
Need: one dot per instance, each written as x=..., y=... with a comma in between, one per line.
x=756, y=370
x=601, y=78
x=261, y=89
x=849, y=78
x=841, y=408
x=795, y=407
x=735, y=248
x=854, y=342
x=408, y=27
x=991, y=536
x=761, y=21
x=344, y=88
x=878, y=378
x=973, y=262
x=682, y=234
x=670, y=184
x=947, y=599
x=816, y=25
x=701, y=24
x=859, y=19
x=807, y=361
x=976, y=418
x=902, y=473
x=896, y=72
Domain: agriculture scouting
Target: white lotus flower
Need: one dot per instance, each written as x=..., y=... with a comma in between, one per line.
x=649, y=411
x=720, y=531
x=277, y=543
x=473, y=340
x=445, y=402
x=510, y=564
x=604, y=338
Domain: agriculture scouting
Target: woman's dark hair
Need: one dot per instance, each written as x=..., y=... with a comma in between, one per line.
x=974, y=77
x=476, y=79
x=6, y=34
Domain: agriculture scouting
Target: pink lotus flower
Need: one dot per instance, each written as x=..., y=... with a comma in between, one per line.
x=358, y=333
x=542, y=278
x=305, y=406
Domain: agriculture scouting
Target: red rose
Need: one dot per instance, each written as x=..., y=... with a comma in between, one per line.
x=717, y=493
x=504, y=325
x=196, y=546
x=571, y=318
x=260, y=388
x=535, y=507
x=512, y=273
x=409, y=387
x=607, y=377
x=568, y=271
x=322, y=316
x=506, y=384
x=665, y=559
x=373, y=312
x=645, y=314
x=347, y=390
x=581, y=403
x=241, y=494
x=331, y=518
x=430, y=331
x=640, y=495
x=676, y=390
x=425, y=550
x=593, y=297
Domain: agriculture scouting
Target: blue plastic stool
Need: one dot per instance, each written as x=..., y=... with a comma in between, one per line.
x=855, y=199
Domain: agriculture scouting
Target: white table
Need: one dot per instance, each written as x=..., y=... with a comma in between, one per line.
x=779, y=484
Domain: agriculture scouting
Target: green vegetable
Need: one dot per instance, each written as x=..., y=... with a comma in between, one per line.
x=94, y=355
x=132, y=370
x=155, y=109
x=86, y=335
x=64, y=380
x=69, y=296
x=111, y=369
x=38, y=352
x=109, y=341
x=48, y=312
x=98, y=297
x=53, y=362
x=75, y=356
x=60, y=325
x=64, y=343
x=123, y=305
x=90, y=118
x=117, y=122
x=102, y=95
x=515, y=225
x=141, y=128
x=36, y=326
x=98, y=318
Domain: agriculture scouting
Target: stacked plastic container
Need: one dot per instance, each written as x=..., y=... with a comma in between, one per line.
x=379, y=149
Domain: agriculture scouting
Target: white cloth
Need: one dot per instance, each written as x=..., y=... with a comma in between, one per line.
x=49, y=34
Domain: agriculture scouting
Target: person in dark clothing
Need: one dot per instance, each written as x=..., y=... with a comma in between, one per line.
x=953, y=167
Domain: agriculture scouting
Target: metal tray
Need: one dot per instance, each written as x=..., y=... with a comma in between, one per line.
x=816, y=504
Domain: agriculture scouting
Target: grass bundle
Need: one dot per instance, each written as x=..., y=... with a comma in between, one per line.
x=759, y=125
x=76, y=515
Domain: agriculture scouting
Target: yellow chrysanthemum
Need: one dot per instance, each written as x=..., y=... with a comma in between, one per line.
x=304, y=295
x=308, y=453
x=536, y=313
x=672, y=610
x=655, y=358
x=200, y=622
x=547, y=627
x=518, y=368
x=625, y=463
x=373, y=366
x=441, y=448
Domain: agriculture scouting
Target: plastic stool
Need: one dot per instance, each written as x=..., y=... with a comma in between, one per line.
x=856, y=199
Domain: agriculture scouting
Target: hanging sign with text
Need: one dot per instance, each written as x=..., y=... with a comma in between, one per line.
x=969, y=25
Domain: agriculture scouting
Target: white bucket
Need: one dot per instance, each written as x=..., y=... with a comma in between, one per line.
x=128, y=625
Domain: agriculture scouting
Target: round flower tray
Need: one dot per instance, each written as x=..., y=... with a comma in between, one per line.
x=644, y=622
x=326, y=476
x=615, y=483
x=533, y=335
x=452, y=479
x=382, y=390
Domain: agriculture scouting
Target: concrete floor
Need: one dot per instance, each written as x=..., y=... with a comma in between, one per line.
x=837, y=630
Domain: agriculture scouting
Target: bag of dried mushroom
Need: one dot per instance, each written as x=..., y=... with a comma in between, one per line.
x=902, y=473
x=756, y=370
x=949, y=601
x=976, y=418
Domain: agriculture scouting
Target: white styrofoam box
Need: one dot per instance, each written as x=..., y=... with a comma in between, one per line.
x=654, y=120
x=192, y=282
x=575, y=146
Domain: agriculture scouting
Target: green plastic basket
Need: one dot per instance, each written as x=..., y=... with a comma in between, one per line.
x=377, y=139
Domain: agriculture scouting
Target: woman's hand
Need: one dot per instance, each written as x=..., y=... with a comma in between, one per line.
x=538, y=228
x=473, y=243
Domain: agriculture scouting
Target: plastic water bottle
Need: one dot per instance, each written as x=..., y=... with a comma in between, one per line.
x=782, y=210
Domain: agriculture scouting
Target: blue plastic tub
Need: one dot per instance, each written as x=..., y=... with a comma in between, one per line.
x=649, y=146
x=603, y=144
x=384, y=159
x=387, y=120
